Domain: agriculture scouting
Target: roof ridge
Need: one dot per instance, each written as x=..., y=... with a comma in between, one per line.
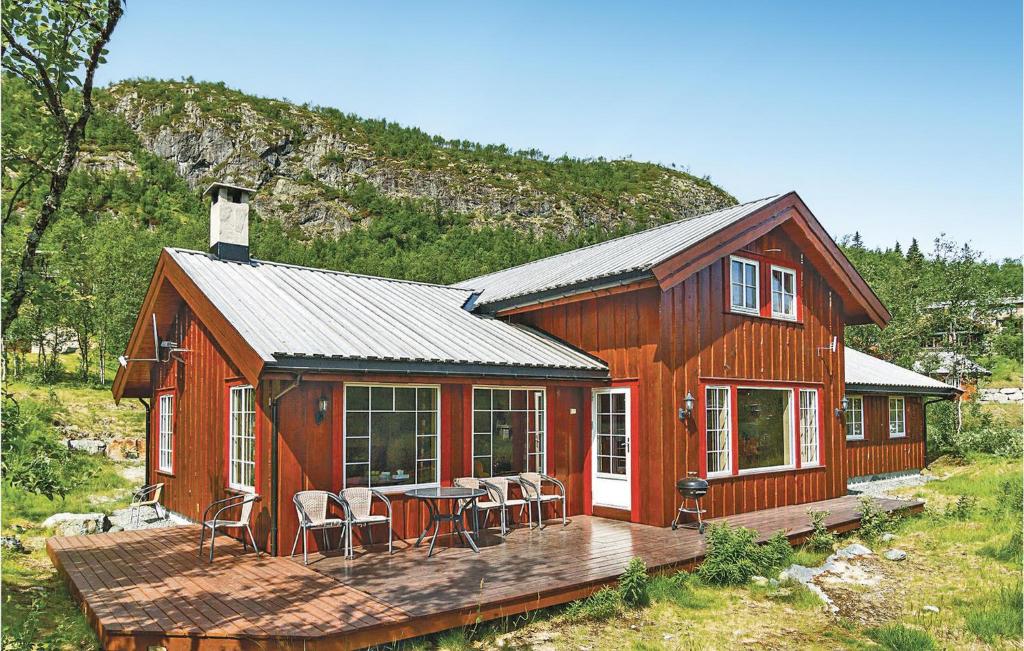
x=321, y=270
x=620, y=237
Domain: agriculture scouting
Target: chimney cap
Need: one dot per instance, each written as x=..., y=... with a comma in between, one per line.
x=218, y=184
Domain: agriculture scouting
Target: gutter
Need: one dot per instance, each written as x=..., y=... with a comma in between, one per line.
x=274, y=455
x=324, y=364
x=883, y=389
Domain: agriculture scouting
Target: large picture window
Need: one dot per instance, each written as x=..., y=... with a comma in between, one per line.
x=509, y=431
x=897, y=418
x=809, y=453
x=783, y=293
x=743, y=284
x=391, y=435
x=765, y=422
x=718, y=418
x=165, y=444
x=854, y=418
x=242, y=438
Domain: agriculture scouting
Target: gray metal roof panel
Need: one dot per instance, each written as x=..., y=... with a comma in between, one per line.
x=865, y=370
x=636, y=252
x=285, y=311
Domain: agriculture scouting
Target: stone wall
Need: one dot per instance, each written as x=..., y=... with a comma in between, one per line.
x=1007, y=395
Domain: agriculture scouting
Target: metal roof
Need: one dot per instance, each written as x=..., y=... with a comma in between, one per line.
x=619, y=260
x=867, y=373
x=297, y=317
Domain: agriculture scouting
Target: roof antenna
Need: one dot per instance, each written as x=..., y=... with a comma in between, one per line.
x=157, y=345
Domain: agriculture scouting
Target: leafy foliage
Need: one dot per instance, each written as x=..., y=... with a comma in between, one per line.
x=821, y=539
x=634, y=583
x=874, y=520
x=733, y=555
x=32, y=457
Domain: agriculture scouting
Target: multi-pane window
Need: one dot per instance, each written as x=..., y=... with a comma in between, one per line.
x=165, y=446
x=242, y=438
x=783, y=293
x=743, y=285
x=897, y=417
x=718, y=425
x=612, y=420
x=808, y=427
x=509, y=431
x=854, y=417
x=391, y=435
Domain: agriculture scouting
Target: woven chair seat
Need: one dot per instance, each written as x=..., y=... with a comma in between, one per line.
x=223, y=523
x=488, y=505
x=370, y=518
x=326, y=522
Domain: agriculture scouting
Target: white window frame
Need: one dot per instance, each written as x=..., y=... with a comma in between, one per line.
x=628, y=414
x=901, y=422
x=165, y=433
x=235, y=466
x=810, y=432
x=725, y=431
x=541, y=426
x=369, y=436
x=857, y=422
x=771, y=288
x=794, y=431
x=743, y=309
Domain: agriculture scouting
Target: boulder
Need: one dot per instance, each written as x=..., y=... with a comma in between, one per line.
x=799, y=573
x=12, y=543
x=896, y=555
x=931, y=609
x=759, y=580
x=89, y=446
x=77, y=524
x=852, y=551
x=887, y=537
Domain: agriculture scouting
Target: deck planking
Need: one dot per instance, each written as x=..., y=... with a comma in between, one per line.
x=150, y=588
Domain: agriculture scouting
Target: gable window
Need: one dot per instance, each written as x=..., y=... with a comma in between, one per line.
x=391, y=435
x=165, y=443
x=242, y=438
x=509, y=431
x=897, y=417
x=808, y=427
x=783, y=293
x=855, y=418
x=743, y=282
x=718, y=419
x=765, y=420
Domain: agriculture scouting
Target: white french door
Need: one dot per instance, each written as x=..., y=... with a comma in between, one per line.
x=610, y=481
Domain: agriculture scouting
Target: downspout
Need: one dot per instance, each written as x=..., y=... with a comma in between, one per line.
x=274, y=479
x=145, y=451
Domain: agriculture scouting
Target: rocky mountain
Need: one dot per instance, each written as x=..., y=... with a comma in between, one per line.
x=307, y=163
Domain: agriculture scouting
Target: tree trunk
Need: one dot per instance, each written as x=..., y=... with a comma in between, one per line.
x=103, y=360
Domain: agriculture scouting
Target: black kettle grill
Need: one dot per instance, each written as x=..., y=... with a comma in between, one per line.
x=692, y=488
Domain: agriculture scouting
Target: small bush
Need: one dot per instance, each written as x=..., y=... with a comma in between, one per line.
x=31, y=456
x=734, y=555
x=821, y=539
x=633, y=584
x=874, y=521
x=997, y=614
x=963, y=508
x=603, y=604
x=897, y=637
x=990, y=438
x=1011, y=496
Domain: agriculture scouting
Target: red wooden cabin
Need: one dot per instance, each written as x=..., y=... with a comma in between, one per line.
x=273, y=378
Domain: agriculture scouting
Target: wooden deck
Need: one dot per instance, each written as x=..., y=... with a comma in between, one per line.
x=141, y=589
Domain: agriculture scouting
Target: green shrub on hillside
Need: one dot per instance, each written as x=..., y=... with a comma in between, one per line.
x=634, y=583
x=33, y=459
x=734, y=555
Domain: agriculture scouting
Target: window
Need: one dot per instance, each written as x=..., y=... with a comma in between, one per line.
x=391, y=435
x=242, y=438
x=808, y=427
x=783, y=293
x=744, y=286
x=165, y=444
x=765, y=424
x=509, y=431
x=897, y=418
x=612, y=424
x=719, y=430
x=854, y=418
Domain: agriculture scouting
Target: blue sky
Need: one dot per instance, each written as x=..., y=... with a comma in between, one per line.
x=897, y=119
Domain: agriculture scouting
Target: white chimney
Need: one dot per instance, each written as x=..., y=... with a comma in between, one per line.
x=229, y=221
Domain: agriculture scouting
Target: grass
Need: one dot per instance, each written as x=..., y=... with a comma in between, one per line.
x=997, y=614
x=897, y=637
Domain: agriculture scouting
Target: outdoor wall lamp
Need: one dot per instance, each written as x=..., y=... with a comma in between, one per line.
x=845, y=404
x=321, y=409
x=687, y=408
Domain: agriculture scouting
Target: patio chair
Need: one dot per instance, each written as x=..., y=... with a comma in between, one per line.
x=311, y=508
x=243, y=503
x=148, y=495
x=533, y=491
x=495, y=500
x=358, y=504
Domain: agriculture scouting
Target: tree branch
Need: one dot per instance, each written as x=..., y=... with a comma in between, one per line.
x=52, y=97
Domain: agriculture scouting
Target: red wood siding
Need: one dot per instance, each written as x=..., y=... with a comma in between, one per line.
x=671, y=342
x=200, y=387
x=878, y=453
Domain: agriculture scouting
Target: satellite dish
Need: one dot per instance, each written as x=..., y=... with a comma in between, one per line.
x=123, y=361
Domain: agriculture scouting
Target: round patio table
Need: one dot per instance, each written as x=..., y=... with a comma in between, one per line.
x=459, y=498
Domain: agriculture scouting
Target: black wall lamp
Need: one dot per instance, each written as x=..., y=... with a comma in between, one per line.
x=687, y=408
x=321, y=409
x=845, y=402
